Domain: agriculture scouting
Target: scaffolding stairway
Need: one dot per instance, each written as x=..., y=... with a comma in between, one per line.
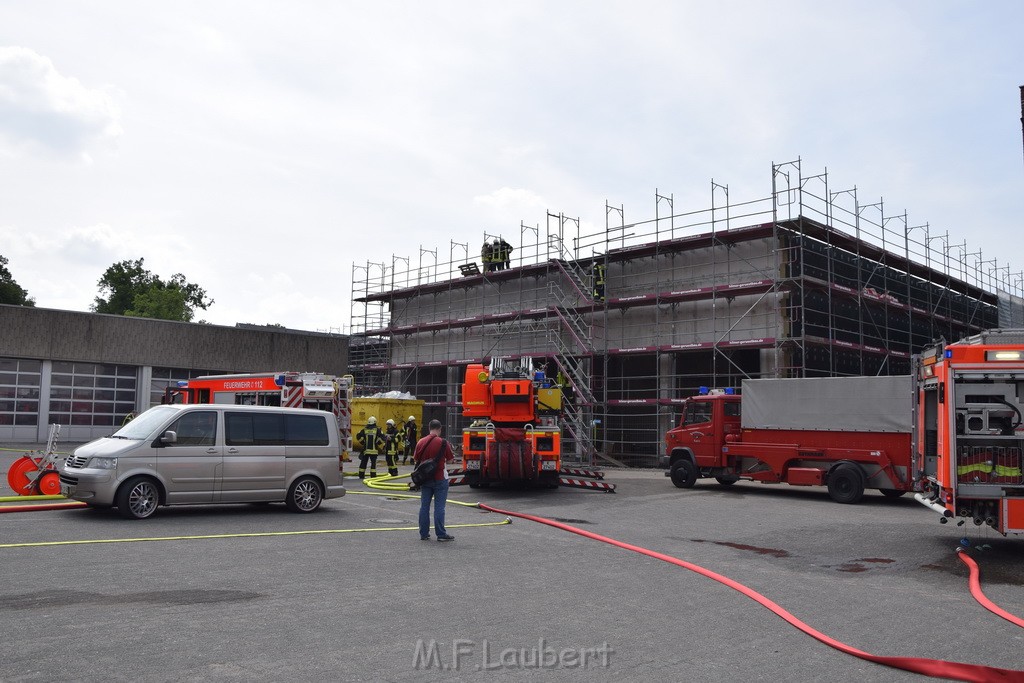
x=573, y=342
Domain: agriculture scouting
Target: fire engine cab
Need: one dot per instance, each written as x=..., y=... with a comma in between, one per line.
x=287, y=389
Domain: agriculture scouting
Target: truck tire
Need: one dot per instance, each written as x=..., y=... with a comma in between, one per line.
x=684, y=474
x=726, y=481
x=892, y=493
x=846, y=483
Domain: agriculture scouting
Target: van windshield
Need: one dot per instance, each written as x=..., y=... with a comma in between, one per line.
x=145, y=424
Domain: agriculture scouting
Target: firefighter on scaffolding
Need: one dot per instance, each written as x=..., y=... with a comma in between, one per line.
x=598, y=282
x=392, y=443
x=372, y=440
x=504, y=256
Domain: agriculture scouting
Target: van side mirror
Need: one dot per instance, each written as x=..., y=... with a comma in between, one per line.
x=169, y=437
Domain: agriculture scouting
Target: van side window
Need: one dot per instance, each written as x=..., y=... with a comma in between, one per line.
x=306, y=430
x=253, y=429
x=198, y=428
x=732, y=408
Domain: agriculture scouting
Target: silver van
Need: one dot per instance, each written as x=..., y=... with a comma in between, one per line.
x=198, y=454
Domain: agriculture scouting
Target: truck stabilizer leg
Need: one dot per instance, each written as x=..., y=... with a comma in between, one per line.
x=587, y=484
x=594, y=474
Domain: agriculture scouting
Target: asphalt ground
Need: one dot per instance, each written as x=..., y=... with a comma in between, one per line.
x=510, y=602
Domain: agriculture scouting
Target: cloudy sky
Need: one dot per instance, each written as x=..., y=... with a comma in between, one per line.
x=263, y=148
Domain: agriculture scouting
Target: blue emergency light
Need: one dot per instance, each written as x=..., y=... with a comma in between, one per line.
x=703, y=391
x=729, y=391
x=948, y=353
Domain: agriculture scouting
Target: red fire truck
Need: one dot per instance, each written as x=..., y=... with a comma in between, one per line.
x=968, y=435
x=846, y=433
x=953, y=432
x=515, y=437
x=288, y=389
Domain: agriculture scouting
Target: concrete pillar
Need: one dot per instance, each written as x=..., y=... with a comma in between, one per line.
x=666, y=390
x=43, y=423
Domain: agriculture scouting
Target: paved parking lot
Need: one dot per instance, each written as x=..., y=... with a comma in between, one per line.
x=519, y=601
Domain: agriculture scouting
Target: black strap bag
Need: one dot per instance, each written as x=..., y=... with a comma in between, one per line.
x=424, y=472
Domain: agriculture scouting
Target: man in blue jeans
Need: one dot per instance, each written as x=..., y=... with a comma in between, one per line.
x=433, y=447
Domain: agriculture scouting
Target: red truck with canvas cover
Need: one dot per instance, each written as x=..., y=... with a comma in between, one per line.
x=846, y=433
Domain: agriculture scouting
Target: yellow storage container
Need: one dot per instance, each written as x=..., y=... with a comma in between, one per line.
x=384, y=409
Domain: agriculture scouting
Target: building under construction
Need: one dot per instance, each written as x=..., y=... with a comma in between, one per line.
x=635, y=317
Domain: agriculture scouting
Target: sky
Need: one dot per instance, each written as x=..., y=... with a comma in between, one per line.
x=269, y=150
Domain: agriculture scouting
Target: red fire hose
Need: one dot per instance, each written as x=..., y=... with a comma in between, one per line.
x=936, y=668
x=975, y=583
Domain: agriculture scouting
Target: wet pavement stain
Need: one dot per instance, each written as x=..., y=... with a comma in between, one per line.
x=773, y=552
x=65, y=598
x=565, y=520
x=857, y=566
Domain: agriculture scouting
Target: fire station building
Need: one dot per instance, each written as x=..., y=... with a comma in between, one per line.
x=87, y=371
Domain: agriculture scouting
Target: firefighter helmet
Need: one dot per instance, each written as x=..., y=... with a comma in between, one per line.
x=391, y=422
x=372, y=421
x=412, y=418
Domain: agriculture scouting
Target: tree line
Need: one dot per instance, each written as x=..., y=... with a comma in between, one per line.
x=127, y=288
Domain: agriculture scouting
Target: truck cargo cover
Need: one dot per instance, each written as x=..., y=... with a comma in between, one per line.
x=857, y=404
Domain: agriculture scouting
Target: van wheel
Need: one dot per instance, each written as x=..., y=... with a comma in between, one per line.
x=846, y=483
x=138, y=498
x=726, y=481
x=684, y=474
x=304, y=495
x=892, y=493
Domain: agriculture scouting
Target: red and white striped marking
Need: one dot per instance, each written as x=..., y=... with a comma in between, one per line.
x=587, y=484
x=596, y=474
x=291, y=396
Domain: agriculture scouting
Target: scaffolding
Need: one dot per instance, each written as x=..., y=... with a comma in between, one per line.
x=808, y=281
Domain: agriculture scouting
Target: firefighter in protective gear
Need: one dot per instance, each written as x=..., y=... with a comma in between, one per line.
x=411, y=437
x=392, y=441
x=598, y=282
x=372, y=440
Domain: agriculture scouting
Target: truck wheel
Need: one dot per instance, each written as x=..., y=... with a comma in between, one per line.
x=846, y=483
x=684, y=474
x=891, y=493
x=726, y=481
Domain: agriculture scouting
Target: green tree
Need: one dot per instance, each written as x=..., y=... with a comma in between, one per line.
x=10, y=291
x=127, y=288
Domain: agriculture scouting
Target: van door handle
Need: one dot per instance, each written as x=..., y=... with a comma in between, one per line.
x=211, y=451
x=232, y=450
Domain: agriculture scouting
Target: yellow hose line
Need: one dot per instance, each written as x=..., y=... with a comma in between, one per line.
x=386, y=482
x=244, y=535
x=409, y=495
x=19, y=499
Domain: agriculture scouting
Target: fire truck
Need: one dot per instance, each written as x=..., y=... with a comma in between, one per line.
x=951, y=432
x=846, y=433
x=288, y=389
x=514, y=437
x=968, y=436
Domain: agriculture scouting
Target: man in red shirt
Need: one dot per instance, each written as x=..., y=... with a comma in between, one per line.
x=433, y=447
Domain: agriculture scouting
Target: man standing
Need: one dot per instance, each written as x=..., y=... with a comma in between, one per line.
x=433, y=447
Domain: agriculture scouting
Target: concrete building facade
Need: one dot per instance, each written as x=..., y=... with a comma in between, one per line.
x=636, y=317
x=87, y=371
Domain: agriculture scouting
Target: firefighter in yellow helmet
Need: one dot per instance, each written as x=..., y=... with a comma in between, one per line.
x=372, y=440
x=411, y=437
x=392, y=441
